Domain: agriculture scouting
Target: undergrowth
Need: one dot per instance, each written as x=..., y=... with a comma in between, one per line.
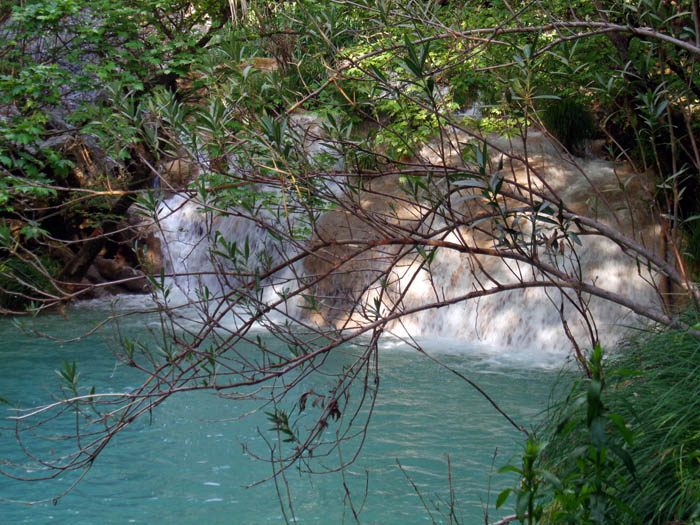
x=570, y=122
x=624, y=445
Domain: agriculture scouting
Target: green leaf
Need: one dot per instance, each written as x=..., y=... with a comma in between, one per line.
x=579, y=451
x=510, y=468
x=624, y=431
x=598, y=428
x=626, y=372
x=625, y=508
x=574, y=237
x=626, y=459
x=551, y=479
x=502, y=497
x=471, y=183
x=522, y=505
x=593, y=400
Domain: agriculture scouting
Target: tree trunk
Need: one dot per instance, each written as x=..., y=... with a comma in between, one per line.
x=140, y=172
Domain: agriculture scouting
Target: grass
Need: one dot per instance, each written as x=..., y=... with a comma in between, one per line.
x=653, y=384
x=570, y=122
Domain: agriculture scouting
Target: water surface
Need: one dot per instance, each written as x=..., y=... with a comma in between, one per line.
x=187, y=463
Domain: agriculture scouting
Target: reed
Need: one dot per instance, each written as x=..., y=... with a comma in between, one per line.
x=653, y=385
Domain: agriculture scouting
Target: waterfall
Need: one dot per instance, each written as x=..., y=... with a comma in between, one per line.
x=532, y=318
x=188, y=233
x=520, y=319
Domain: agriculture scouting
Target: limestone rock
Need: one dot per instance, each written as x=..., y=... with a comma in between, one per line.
x=176, y=174
x=126, y=277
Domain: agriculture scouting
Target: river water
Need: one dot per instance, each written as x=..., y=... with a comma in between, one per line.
x=187, y=464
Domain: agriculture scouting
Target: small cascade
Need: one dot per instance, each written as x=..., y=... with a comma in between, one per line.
x=532, y=318
x=529, y=319
x=188, y=233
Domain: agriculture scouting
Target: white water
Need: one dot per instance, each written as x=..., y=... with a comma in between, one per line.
x=526, y=319
x=526, y=322
x=530, y=319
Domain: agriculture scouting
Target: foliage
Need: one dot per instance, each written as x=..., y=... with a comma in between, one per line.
x=692, y=246
x=598, y=443
x=227, y=94
x=660, y=406
x=20, y=280
x=622, y=447
x=528, y=503
x=570, y=122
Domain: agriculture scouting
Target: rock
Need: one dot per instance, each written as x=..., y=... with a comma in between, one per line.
x=146, y=242
x=93, y=275
x=126, y=277
x=176, y=174
x=90, y=161
x=309, y=128
x=306, y=123
x=266, y=64
x=150, y=252
x=596, y=149
x=348, y=277
x=8, y=112
x=92, y=291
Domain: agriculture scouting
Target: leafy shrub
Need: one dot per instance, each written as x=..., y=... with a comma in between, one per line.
x=591, y=460
x=20, y=281
x=691, y=230
x=570, y=122
x=624, y=445
x=663, y=406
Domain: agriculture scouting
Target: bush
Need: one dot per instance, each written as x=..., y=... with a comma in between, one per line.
x=570, y=122
x=691, y=235
x=624, y=445
x=20, y=281
x=663, y=405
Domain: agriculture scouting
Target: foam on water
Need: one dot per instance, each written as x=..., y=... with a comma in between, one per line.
x=522, y=324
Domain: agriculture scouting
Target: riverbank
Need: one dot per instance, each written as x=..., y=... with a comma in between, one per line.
x=623, y=445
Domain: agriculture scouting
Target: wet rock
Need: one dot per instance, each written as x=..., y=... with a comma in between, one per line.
x=93, y=290
x=150, y=251
x=123, y=276
x=176, y=174
x=93, y=276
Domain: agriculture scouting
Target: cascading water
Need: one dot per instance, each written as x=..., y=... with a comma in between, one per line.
x=420, y=408
x=189, y=232
x=530, y=318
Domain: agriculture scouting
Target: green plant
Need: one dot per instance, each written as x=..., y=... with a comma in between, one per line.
x=570, y=121
x=691, y=231
x=528, y=495
x=624, y=445
x=662, y=405
x=21, y=281
x=584, y=485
